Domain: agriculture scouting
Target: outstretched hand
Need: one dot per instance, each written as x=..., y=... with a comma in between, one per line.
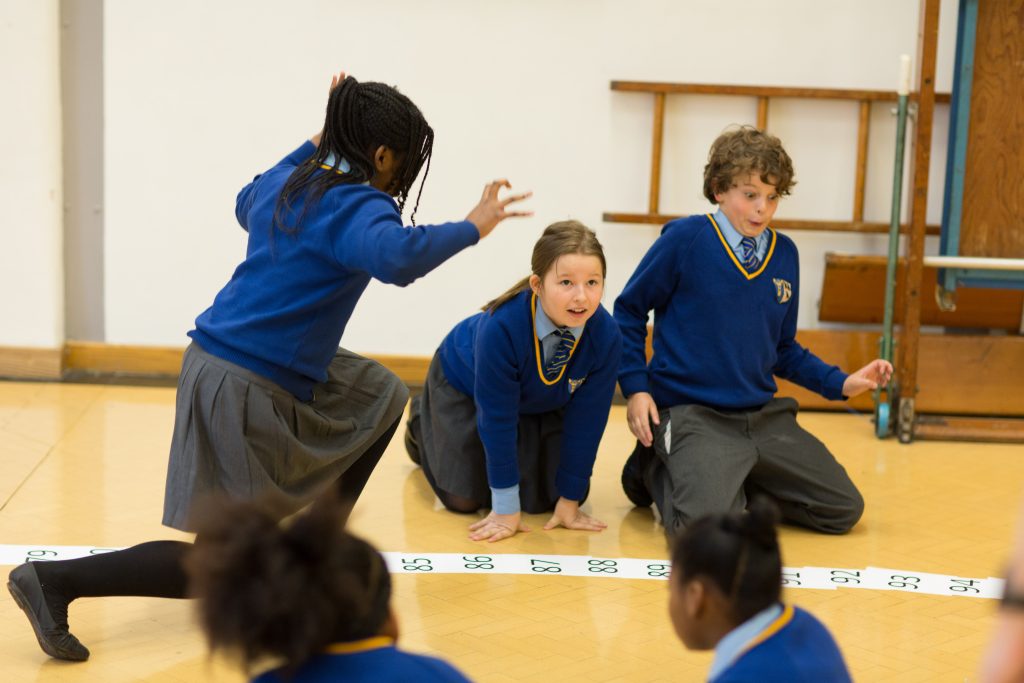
x=873, y=375
x=568, y=514
x=492, y=210
x=495, y=527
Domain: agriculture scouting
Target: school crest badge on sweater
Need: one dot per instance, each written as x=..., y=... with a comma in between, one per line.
x=574, y=384
x=783, y=290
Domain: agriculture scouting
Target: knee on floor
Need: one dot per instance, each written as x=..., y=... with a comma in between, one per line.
x=458, y=503
x=844, y=518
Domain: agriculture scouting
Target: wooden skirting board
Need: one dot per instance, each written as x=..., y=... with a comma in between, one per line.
x=31, y=362
x=98, y=358
x=966, y=375
x=116, y=359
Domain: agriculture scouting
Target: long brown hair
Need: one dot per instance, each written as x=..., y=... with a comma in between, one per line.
x=559, y=239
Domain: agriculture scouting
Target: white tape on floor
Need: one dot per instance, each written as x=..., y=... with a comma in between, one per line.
x=421, y=564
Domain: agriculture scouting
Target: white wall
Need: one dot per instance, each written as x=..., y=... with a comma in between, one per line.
x=31, y=267
x=82, y=103
x=199, y=96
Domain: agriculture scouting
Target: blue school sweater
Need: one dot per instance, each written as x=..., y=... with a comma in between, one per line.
x=720, y=333
x=375, y=660
x=284, y=310
x=794, y=648
x=496, y=359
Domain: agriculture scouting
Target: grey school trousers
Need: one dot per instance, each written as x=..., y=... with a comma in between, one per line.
x=706, y=461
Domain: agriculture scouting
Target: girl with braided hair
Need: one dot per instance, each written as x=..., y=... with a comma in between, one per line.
x=306, y=595
x=267, y=402
x=725, y=593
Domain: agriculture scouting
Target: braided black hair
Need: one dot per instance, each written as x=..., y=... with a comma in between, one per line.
x=360, y=118
x=738, y=553
x=267, y=590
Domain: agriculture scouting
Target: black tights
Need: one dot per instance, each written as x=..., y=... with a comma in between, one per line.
x=353, y=481
x=457, y=503
x=156, y=569
x=449, y=500
x=153, y=569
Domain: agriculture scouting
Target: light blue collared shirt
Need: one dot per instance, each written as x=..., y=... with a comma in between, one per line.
x=546, y=332
x=342, y=163
x=733, y=237
x=506, y=501
x=735, y=641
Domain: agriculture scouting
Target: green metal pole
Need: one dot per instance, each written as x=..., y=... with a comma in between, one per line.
x=894, y=229
x=882, y=409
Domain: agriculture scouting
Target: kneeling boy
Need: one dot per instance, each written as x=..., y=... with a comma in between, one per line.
x=724, y=290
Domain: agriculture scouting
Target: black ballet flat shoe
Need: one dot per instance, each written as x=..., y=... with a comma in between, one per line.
x=633, y=478
x=47, y=611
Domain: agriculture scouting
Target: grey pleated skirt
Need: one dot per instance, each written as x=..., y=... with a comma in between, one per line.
x=239, y=434
x=443, y=420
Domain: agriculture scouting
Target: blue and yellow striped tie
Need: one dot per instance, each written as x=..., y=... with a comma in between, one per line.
x=748, y=250
x=561, y=354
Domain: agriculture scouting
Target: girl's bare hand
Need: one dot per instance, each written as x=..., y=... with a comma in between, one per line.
x=495, y=527
x=492, y=210
x=568, y=514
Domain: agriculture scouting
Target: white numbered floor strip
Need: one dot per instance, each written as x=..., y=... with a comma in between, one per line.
x=827, y=578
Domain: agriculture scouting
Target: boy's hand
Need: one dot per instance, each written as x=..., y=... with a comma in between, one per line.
x=569, y=515
x=490, y=210
x=495, y=527
x=640, y=413
x=871, y=376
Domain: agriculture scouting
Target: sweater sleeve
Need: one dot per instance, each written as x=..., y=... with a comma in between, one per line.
x=797, y=364
x=496, y=390
x=377, y=242
x=248, y=194
x=586, y=417
x=650, y=287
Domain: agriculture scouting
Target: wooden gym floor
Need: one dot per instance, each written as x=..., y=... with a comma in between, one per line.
x=84, y=465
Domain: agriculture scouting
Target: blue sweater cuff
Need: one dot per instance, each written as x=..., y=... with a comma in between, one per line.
x=570, y=486
x=633, y=383
x=834, y=385
x=468, y=232
x=503, y=469
x=505, y=501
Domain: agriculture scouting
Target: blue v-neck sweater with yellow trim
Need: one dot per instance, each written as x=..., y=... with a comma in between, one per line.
x=375, y=660
x=284, y=310
x=493, y=358
x=720, y=333
x=797, y=648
